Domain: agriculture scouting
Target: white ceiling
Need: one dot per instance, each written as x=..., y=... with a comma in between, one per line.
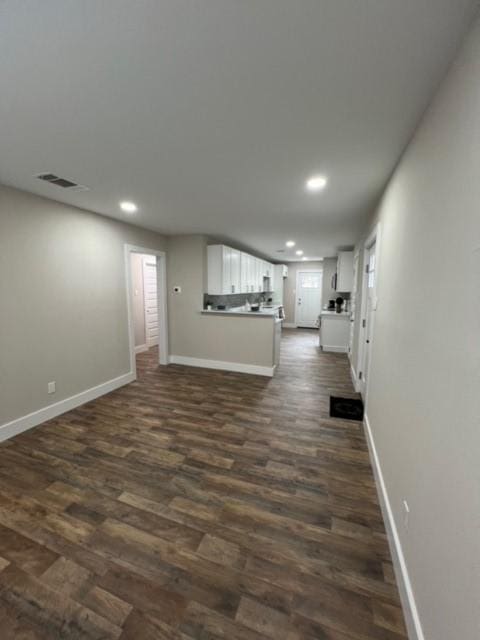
x=210, y=114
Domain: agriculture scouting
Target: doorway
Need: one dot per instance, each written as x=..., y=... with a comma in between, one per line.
x=150, y=300
x=146, y=302
x=369, y=307
x=308, y=298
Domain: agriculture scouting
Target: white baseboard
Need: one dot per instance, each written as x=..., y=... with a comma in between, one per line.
x=289, y=325
x=355, y=382
x=225, y=366
x=412, y=619
x=13, y=428
x=334, y=349
x=141, y=348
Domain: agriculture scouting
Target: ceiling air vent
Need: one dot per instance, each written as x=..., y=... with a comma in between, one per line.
x=61, y=182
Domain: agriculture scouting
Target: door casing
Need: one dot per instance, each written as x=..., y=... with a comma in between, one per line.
x=163, y=348
x=363, y=384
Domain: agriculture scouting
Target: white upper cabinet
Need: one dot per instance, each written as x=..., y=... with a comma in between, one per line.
x=235, y=267
x=344, y=272
x=224, y=270
x=231, y=271
x=267, y=269
x=258, y=275
x=251, y=273
x=244, y=272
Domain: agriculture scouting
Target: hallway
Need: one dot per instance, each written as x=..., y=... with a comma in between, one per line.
x=194, y=504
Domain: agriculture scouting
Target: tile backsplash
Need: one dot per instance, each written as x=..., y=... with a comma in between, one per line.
x=235, y=300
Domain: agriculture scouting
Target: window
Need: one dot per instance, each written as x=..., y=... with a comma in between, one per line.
x=311, y=281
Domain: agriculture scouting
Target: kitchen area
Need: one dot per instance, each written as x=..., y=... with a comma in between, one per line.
x=336, y=319
x=241, y=285
x=226, y=306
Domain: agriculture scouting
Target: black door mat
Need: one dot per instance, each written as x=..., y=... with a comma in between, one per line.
x=346, y=408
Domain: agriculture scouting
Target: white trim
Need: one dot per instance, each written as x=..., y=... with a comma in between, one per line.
x=373, y=237
x=225, y=366
x=289, y=325
x=141, y=348
x=128, y=249
x=24, y=423
x=299, y=271
x=412, y=619
x=354, y=376
x=334, y=349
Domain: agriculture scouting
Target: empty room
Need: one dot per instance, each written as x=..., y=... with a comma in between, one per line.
x=239, y=320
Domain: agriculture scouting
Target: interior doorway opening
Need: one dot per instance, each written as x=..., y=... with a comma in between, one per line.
x=144, y=301
x=147, y=304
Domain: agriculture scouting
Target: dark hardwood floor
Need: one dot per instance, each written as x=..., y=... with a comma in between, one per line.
x=198, y=504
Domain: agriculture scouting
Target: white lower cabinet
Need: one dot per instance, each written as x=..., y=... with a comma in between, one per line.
x=335, y=332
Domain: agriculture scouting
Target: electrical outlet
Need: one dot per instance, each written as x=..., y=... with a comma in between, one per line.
x=406, y=515
x=51, y=387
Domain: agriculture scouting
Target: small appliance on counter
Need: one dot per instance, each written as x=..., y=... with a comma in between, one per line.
x=331, y=305
x=339, y=304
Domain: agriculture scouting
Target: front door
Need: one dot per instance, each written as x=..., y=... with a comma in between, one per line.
x=309, y=298
x=150, y=296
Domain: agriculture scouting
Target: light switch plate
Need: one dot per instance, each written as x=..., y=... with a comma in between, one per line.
x=51, y=387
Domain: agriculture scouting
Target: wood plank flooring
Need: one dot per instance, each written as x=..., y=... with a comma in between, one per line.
x=198, y=504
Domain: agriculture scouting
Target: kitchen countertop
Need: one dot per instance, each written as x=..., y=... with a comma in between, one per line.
x=343, y=314
x=266, y=312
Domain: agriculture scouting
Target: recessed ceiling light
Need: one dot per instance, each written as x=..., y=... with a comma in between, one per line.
x=128, y=207
x=290, y=243
x=299, y=252
x=316, y=183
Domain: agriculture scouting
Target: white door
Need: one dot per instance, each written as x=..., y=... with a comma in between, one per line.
x=309, y=298
x=353, y=301
x=371, y=275
x=150, y=299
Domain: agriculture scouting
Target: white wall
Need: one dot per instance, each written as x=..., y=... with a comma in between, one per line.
x=63, y=305
x=240, y=339
x=423, y=400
